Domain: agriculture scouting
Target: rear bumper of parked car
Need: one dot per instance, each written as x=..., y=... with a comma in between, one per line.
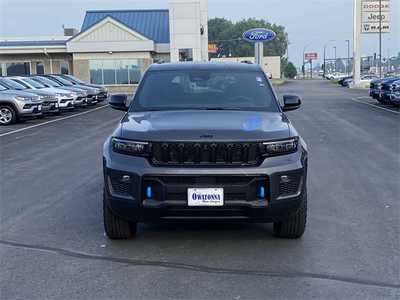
x=128, y=198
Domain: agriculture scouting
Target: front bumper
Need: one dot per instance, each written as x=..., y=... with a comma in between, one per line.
x=66, y=104
x=50, y=107
x=128, y=199
x=34, y=110
x=91, y=99
x=395, y=98
x=80, y=102
x=102, y=96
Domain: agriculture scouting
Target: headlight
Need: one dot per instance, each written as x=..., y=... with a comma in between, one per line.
x=281, y=147
x=130, y=147
x=21, y=98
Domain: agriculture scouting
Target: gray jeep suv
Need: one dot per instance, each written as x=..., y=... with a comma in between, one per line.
x=205, y=141
x=18, y=105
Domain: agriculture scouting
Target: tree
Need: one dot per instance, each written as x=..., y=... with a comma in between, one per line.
x=228, y=37
x=290, y=71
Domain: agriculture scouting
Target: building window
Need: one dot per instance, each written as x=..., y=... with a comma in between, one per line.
x=18, y=69
x=64, y=67
x=185, y=54
x=111, y=72
x=39, y=68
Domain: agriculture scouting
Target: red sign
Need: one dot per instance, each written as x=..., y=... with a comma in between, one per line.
x=212, y=48
x=311, y=56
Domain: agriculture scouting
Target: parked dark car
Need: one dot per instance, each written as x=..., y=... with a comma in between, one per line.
x=344, y=80
x=375, y=89
x=388, y=87
x=201, y=142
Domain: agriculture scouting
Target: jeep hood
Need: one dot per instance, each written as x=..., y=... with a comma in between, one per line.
x=194, y=125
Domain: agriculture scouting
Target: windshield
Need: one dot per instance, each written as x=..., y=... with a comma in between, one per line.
x=62, y=80
x=47, y=82
x=73, y=79
x=21, y=83
x=13, y=85
x=219, y=90
x=34, y=83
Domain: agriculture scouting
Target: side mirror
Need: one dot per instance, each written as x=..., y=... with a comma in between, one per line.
x=291, y=102
x=118, y=102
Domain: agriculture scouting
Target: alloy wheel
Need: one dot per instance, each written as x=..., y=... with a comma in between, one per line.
x=5, y=115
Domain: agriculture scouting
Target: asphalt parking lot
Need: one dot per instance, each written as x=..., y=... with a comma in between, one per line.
x=52, y=242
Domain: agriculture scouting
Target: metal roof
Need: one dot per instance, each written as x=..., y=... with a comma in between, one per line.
x=151, y=23
x=31, y=43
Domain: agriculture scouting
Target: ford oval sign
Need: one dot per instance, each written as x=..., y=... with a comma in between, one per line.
x=259, y=35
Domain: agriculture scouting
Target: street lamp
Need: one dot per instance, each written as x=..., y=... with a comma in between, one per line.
x=334, y=48
x=348, y=57
x=325, y=55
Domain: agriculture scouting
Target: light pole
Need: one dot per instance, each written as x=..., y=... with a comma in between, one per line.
x=334, y=48
x=325, y=55
x=348, y=57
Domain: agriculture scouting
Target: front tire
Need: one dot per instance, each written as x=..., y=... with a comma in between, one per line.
x=295, y=226
x=115, y=227
x=8, y=115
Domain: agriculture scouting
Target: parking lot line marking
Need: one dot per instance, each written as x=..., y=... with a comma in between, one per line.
x=53, y=121
x=373, y=105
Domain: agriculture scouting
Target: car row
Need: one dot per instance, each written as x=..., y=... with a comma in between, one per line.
x=386, y=91
x=348, y=81
x=36, y=96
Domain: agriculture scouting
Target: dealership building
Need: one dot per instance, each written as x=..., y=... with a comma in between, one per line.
x=114, y=47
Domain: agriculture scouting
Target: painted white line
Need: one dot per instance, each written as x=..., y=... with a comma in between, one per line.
x=373, y=105
x=53, y=121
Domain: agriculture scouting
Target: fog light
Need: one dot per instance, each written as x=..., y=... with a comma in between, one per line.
x=126, y=178
x=285, y=179
x=261, y=192
x=149, y=192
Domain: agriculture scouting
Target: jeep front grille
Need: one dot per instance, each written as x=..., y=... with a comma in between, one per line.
x=206, y=154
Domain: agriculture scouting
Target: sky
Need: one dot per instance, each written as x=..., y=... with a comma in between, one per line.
x=309, y=23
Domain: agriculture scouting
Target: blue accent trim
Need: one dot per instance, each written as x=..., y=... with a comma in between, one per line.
x=149, y=192
x=262, y=192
